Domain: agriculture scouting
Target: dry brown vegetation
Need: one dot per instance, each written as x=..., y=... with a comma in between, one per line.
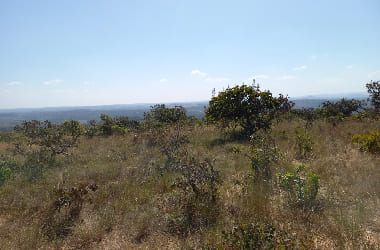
x=119, y=192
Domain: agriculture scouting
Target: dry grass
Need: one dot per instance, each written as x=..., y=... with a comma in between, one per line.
x=135, y=203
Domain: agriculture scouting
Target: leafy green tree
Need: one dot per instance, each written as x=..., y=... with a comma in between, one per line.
x=373, y=88
x=248, y=107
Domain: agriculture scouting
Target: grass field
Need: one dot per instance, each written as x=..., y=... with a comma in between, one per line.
x=121, y=192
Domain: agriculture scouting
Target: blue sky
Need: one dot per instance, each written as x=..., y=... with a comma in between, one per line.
x=92, y=52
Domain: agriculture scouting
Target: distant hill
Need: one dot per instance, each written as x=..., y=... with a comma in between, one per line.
x=11, y=117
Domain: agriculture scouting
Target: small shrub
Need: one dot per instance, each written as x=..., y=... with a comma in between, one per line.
x=263, y=151
x=369, y=143
x=65, y=210
x=171, y=142
x=258, y=235
x=5, y=171
x=302, y=191
x=91, y=131
x=304, y=144
x=198, y=202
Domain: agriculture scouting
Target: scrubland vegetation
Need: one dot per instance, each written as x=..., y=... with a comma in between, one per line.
x=254, y=174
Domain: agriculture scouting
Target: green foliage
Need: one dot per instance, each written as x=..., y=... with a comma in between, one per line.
x=369, y=143
x=126, y=122
x=106, y=126
x=160, y=116
x=343, y=108
x=46, y=137
x=258, y=235
x=113, y=126
x=91, y=131
x=304, y=144
x=5, y=171
x=246, y=106
x=373, y=89
x=72, y=128
x=302, y=191
x=263, y=152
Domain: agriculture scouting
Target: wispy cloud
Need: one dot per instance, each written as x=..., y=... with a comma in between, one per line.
x=86, y=83
x=287, y=77
x=14, y=83
x=163, y=80
x=303, y=67
x=313, y=57
x=198, y=72
x=351, y=66
x=217, y=80
x=53, y=82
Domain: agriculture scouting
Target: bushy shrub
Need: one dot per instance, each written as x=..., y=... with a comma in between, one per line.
x=171, y=142
x=41, y=142
x=198, y=203
x=342, y=108
x=52, y=139
x=65, y=210
x=126, y=122
x=160, y=116
x=112, y=126
x=301, y=190
x=369, y=143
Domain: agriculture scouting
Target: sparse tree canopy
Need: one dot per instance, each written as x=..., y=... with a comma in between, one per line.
x=373, y=89
x=247, y=106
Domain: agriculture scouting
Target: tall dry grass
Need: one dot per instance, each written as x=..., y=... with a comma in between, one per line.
x=136, y=202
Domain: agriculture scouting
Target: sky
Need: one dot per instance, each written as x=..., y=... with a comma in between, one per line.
x=100, y=52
